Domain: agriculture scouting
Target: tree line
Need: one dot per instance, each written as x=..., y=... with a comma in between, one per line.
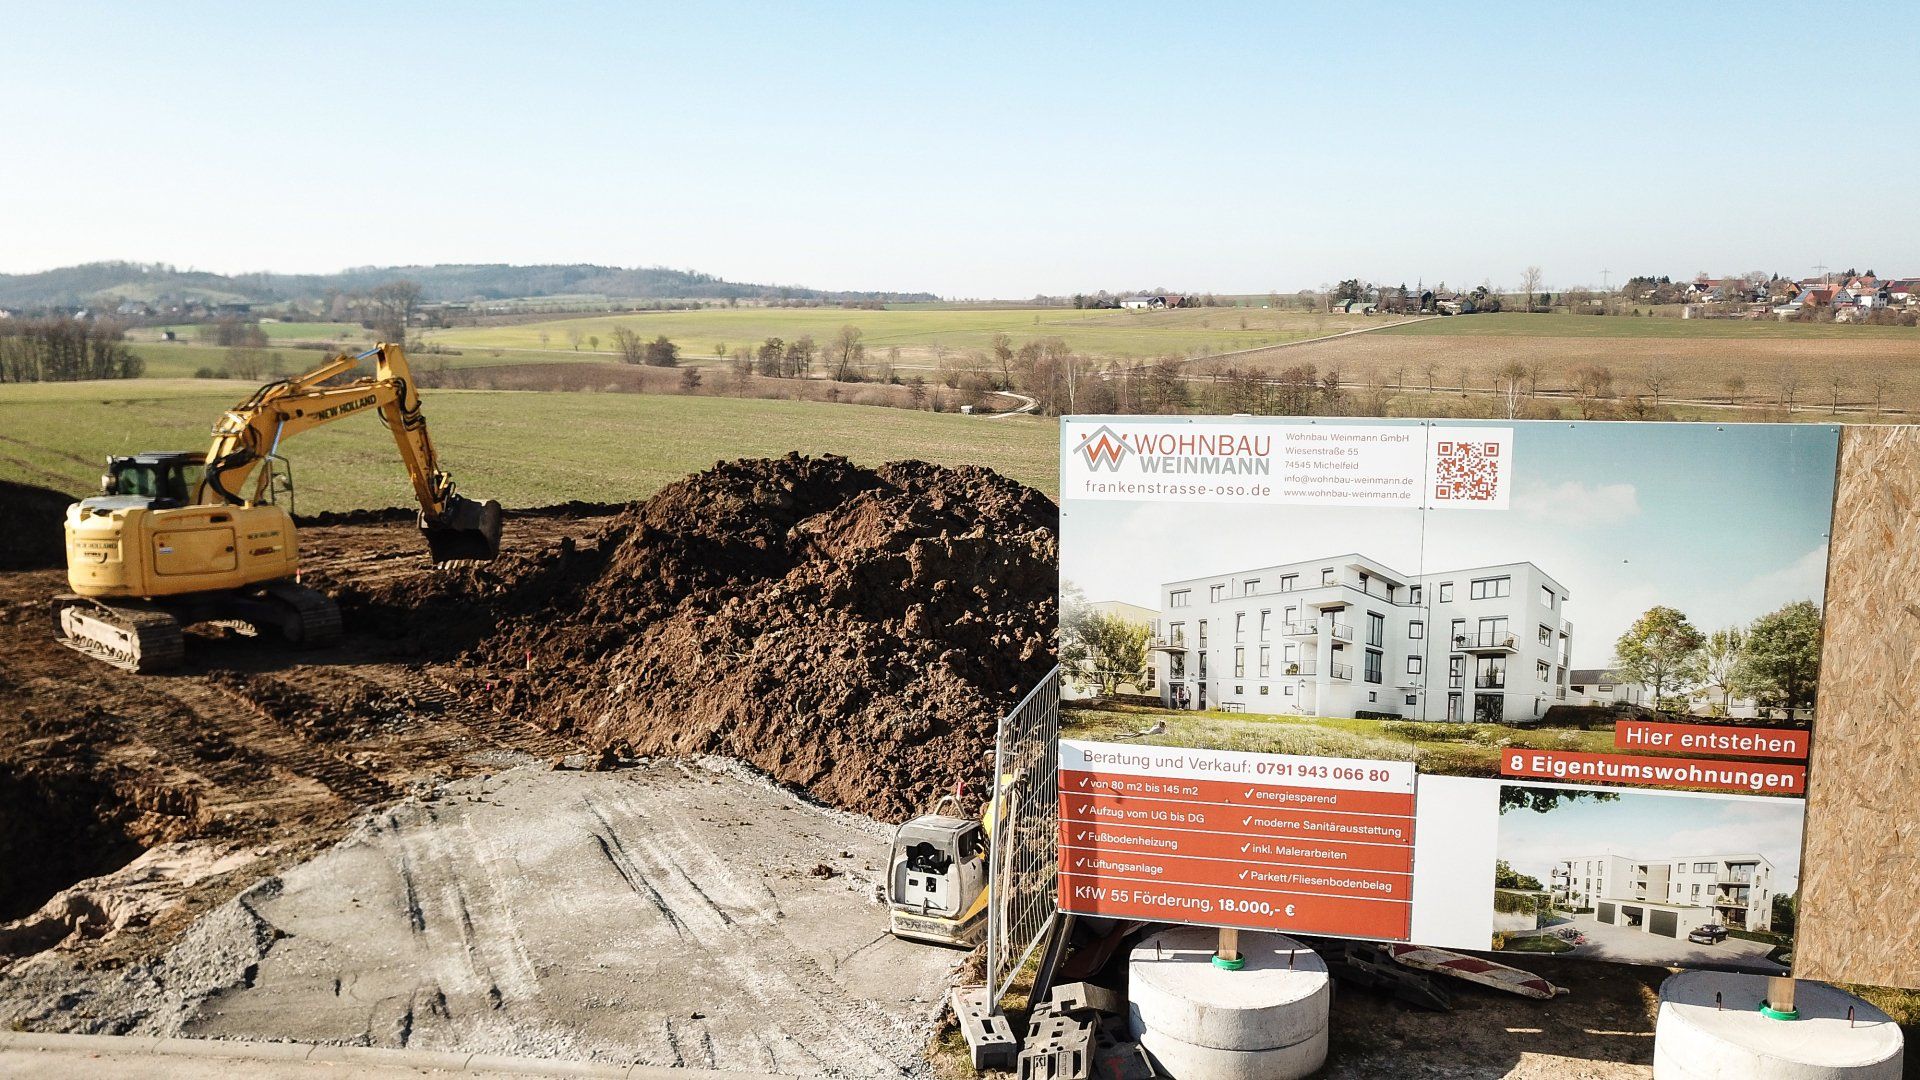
x=64, y=349
x=1774, y=660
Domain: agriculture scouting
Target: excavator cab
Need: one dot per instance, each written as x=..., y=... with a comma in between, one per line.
x=169, y=477
x=466, y=531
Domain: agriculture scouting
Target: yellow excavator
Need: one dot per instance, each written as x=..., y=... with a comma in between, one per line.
x=176, y=537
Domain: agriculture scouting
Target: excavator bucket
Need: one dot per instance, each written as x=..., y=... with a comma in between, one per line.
x=467, y=531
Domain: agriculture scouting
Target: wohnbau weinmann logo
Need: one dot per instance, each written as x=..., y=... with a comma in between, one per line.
x=1103, y=448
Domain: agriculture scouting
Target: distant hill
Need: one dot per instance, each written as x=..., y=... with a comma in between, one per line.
x=96, y=282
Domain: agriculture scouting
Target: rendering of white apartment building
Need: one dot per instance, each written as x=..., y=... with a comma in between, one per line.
x=1669, y=896
x=1350, y=636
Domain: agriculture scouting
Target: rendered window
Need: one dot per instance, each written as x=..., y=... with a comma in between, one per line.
x=1239, y=626
x=1217, y=593
x=1250, y=586
x=1373, y=665
x=1288, y=581
x=1266, y=660
x=1416, y=630
x=1326, y=575
x=1411, y=700
x=1239, y=663
x=1179, y=597
x=1490, y=588
x=1413, y=594
x=1413, y=665
x=1446, y=592
x=1546, y=635
x=1376, y=628
x=1543, y=670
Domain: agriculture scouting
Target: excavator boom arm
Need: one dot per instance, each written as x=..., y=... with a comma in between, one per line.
x=456, y=527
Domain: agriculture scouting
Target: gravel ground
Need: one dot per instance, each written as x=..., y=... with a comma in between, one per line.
x=673, y=914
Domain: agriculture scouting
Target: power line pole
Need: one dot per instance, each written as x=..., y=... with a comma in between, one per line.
x=1822, y=267
x=1604, y=285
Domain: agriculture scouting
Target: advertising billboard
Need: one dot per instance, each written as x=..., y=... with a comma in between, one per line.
x=1530, y=686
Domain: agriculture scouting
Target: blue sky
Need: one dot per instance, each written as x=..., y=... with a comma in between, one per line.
x=1643, y=826
x=1725, y=523
x=970, y=150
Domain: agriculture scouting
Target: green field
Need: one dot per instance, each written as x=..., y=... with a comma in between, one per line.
x=919, y=332
x=525, y=449
x=275, y=331
x=1521, y=324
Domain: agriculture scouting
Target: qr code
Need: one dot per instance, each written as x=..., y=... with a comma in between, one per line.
x=1466, y=471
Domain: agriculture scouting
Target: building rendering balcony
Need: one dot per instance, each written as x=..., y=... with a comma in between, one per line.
x=1487, y=644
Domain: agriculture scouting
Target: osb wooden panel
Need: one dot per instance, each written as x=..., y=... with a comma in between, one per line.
x=1860, y=875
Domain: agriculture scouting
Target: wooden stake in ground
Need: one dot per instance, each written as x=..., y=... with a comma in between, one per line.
x=1227, y=955
x=1780, y=997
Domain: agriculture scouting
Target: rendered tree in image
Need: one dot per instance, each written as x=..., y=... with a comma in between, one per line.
x=1662, y=651
x=1780, y=664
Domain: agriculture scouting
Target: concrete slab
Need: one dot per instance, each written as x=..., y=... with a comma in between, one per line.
x=31, y=1056
x=677, y=914
x=1700, y=1038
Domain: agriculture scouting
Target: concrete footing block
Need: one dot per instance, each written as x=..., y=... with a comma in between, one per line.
x=989, y=1037
x=1186, y=1061
x=1709, y=1027
x=1268, y=1019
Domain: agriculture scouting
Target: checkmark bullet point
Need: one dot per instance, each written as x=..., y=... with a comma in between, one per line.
x=1250, y=792
x=1083, y=783
x=1079, y=862
x=1248, y=821
x=1244, y=848
x=1244, y=873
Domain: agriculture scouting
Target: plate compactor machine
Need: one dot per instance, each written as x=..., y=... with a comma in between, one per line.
x=179, y=537
x=937, y=881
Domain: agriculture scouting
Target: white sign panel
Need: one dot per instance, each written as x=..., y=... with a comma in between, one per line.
x=1408, y=466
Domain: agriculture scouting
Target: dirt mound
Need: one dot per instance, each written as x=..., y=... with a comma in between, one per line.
x=854, y=632
x=36, y=537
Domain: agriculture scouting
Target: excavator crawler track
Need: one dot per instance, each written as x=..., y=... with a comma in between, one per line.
x=316, y=618
x=136, y=639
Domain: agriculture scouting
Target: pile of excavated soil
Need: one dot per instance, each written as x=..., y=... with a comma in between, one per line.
x=35, y=537
x=853, y=632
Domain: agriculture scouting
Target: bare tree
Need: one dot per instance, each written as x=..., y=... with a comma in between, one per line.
x=1837, y=381
x=848, y=354
x=574, y=337
x=1656, y=380
x=1879, y=381
x=1787, y=380
x=628, y=344
x=1530, y=283
x=1733, y=385
x=1507, y=380
x=394, y=303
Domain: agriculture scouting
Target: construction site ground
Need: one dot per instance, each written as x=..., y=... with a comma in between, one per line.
x=348, y=847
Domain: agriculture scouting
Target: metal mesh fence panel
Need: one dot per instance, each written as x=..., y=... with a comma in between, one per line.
x=1026, y=833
